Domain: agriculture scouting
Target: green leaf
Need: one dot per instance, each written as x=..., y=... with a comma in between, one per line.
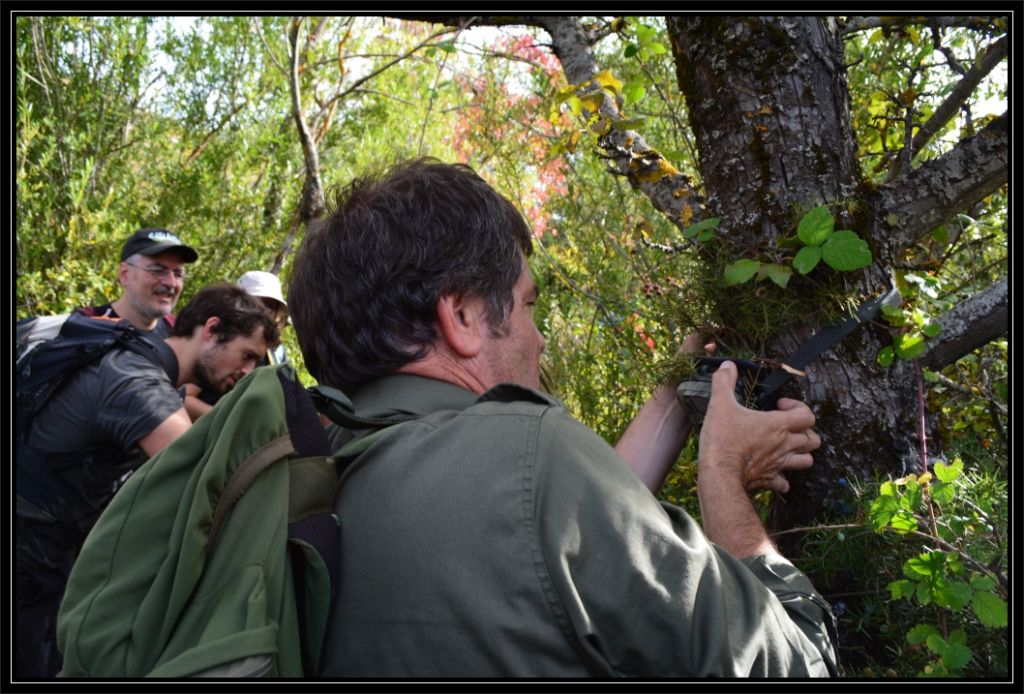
x=990, y=609
x=634, y=91
x=942, y=492
x=740, y=271
x=886, y=356
x=815, y=226
x=926, y=565
x=956, y=656
x=806, y=259
x=894, y=315
x=911, y=499
x=630, y=51
x=910, y=346
x=885, y=511
x=920, y=633
x=932, y=328
x=936, y=644
x=903, y=522
x=706, y=235
x=645, y=34
x=778, y=274
x=882, y=510
x=628, y=123
x=980, y=582
x=901, y=589
x=845, y=251
x=703, y=225
x=953, y=595
x=940, y=235
x=948, y=473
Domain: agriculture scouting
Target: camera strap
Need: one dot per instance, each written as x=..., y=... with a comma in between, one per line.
x=824, y=340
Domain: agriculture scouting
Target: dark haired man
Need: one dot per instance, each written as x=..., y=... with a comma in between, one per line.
x=491, y=535
x=152, y=274
x=103, y=423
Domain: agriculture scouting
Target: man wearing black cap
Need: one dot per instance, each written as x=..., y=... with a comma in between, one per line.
x=152, y=273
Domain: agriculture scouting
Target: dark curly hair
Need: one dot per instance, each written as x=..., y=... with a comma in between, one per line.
x=240, y=314
x=366, y=282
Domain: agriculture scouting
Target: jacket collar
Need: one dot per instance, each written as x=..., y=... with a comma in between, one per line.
x=408, y=394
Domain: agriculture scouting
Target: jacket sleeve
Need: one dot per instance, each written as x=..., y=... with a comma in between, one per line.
x=639, y=589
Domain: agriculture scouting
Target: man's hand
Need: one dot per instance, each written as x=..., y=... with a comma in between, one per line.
x=753, y=447
x=742, y=451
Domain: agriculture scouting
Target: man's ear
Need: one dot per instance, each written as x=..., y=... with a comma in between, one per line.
x=210, y=329
x=463, y=322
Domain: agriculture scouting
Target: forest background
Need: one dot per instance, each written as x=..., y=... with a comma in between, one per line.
x=752, y=178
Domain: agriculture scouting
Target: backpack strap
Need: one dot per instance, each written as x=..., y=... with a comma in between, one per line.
x=242, y=479
x=339, y=408
x=155, y=350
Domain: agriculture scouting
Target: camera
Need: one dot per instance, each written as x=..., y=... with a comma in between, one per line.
x=695, y=392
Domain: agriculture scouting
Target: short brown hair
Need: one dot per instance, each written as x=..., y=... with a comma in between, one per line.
x=238, y=311
x=366, y=282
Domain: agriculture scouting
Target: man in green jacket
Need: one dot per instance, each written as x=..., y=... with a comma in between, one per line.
x=491, y=534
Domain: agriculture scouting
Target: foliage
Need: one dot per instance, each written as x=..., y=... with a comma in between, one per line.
x=901, y=82
x=841, y=250
x=125, y=122
x=929, y=551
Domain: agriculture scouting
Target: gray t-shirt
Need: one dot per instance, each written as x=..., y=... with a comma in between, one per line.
x=116, y=401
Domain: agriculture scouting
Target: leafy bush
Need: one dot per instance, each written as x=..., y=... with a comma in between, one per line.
x=926, y=554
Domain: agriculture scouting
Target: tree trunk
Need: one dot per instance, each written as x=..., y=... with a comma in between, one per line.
x=769, y=106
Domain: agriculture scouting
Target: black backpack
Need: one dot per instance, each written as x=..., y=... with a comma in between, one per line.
x=49, y=350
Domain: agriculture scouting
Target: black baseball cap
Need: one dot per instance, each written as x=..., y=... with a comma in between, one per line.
x=153, y=241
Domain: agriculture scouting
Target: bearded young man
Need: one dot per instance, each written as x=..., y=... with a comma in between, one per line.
x=102, y=424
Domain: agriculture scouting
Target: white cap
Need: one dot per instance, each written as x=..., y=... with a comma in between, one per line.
x=259, y=283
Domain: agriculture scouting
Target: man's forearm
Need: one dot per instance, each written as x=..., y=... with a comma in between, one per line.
x=653, y=440
x=729, y=518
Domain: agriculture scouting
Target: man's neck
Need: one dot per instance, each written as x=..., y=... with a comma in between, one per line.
x=126, y=311
x=182, y=348
x=443, y=368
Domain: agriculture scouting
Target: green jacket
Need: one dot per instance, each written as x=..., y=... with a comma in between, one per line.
x=495, y=536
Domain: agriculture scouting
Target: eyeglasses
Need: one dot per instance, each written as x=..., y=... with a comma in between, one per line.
x=159, y=271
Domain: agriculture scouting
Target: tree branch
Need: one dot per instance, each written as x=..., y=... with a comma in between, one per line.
x=915, y=203
x=646, y=169
x=366, y=78
x=969, y=325
x=216, y=129
x=992, y=56
x=856, y=24
x=313, y=202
